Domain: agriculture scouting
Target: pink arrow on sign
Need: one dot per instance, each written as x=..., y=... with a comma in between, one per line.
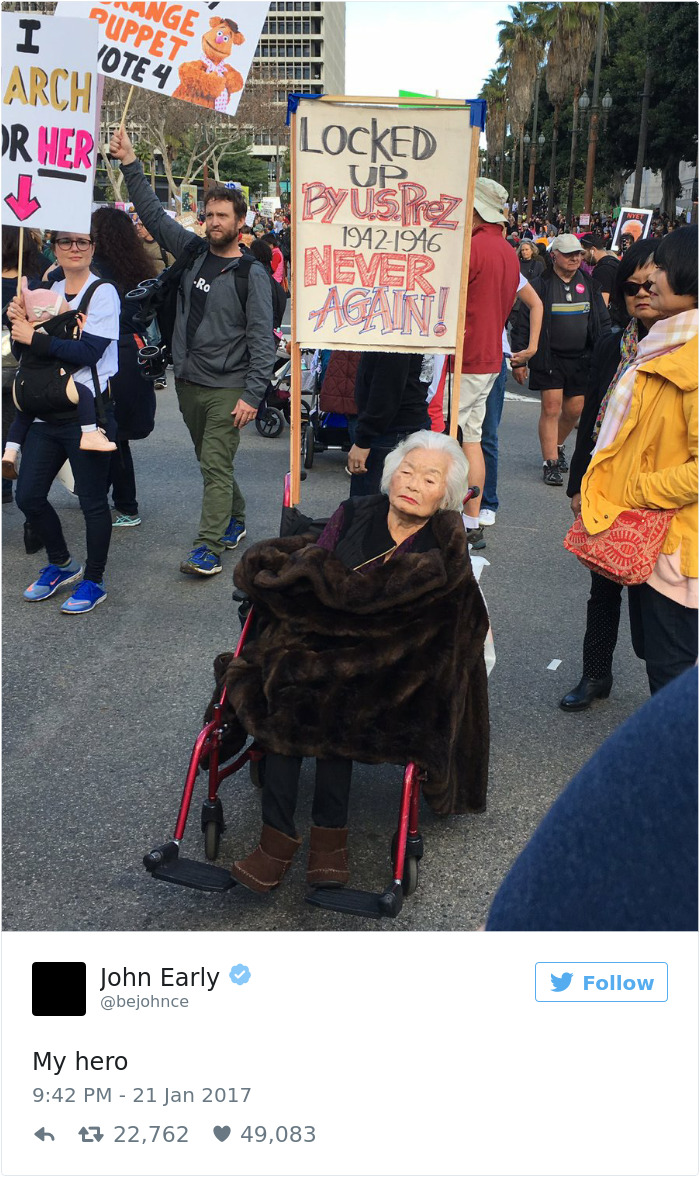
x=23, y=204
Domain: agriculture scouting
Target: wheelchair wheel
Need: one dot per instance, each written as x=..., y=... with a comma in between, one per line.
x=307, y=445
x=212, y=837
x=410, y=876
x=270, y=424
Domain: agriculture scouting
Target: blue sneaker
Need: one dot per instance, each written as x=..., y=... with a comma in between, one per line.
x=234, y=534
x=88, y=594
x=51, y=579
x=201, y=562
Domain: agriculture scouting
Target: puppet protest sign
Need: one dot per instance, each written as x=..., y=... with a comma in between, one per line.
x=380, y=203
x=632, y=224
x=201, y=53
x=49, y=110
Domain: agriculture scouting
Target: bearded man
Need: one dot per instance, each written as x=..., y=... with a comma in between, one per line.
x=223, y=348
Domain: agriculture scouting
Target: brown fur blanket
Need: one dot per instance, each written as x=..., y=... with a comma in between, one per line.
x=383, y=666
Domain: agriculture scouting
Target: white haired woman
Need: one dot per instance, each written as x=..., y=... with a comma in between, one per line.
x=369, y=641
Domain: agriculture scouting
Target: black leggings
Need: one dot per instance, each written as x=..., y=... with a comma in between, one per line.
x=602, y=624
x=280, y=776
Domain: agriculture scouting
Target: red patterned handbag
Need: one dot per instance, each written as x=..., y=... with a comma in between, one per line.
x=626, y=552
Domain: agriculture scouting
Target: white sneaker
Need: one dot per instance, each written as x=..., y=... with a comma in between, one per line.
x=486, y=518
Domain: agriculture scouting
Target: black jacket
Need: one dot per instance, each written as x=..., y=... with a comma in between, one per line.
x=598, y=320
x=604, y=361
x=389, y=395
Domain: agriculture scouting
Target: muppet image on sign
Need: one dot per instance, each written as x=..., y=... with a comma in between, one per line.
x=211, y=81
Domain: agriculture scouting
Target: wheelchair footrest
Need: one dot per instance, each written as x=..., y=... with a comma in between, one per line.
x=200, y=876
x=362, y=903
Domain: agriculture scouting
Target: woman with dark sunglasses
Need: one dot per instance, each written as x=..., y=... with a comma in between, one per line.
x=640, y=415
x=49, y=443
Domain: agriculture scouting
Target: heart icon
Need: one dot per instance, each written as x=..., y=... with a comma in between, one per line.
x=222, y=1134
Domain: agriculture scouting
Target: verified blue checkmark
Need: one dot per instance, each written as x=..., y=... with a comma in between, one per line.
x=240, y=974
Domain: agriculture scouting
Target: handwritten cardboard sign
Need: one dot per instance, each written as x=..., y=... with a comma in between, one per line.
x=380, y=219
x=199, y=52
x=49, y=112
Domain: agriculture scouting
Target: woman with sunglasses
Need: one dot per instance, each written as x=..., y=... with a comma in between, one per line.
x=644, y=441
x=50, y=442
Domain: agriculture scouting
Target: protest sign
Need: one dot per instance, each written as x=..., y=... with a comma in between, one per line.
x=268, y=204
x=381, y=210
x=201, y=53
x=188, y=198
x=49, y=111
x=633, y=223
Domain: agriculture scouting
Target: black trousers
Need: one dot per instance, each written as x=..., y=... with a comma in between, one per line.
x=664, y=634
x=280, y=775
x=122, y=480
x=602, y=624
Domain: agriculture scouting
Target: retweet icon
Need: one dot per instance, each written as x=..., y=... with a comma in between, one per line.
x=559, y=984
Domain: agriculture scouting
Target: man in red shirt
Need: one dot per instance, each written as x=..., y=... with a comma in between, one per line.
x=494, y=272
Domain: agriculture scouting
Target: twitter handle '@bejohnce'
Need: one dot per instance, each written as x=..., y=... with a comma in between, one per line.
x=584, y=983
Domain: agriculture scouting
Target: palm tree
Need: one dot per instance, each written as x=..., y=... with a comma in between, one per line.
x=579, y=26
x=520, y=53
x=494, y=92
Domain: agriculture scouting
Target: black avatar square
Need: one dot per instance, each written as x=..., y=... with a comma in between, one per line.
x=58, y=989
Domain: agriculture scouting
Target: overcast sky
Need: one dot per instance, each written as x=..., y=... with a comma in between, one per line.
x=394, y=45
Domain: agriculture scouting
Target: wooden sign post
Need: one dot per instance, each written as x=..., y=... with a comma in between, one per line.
x=382, y=199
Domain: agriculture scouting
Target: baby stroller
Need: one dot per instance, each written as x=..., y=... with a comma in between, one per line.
x=324, y=427
x=275, y=409
x=165, y=863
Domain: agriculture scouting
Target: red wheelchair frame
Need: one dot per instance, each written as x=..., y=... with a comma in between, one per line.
x=165, y=862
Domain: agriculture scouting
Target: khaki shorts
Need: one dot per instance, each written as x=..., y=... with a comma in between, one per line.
x=474, y=389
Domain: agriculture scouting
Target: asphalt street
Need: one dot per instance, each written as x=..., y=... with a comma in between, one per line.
x=100, y=711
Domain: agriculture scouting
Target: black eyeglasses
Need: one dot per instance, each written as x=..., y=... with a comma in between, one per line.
x=80, y=243
x=633, y=288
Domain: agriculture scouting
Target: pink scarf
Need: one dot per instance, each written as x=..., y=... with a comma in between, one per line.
x=665, y=336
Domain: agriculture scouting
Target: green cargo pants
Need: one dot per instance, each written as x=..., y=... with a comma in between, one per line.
x=207, y=415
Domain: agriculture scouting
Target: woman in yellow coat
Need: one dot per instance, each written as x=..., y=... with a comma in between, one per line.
x=647, y=457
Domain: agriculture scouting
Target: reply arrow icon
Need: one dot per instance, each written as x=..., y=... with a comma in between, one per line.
x=23, y=204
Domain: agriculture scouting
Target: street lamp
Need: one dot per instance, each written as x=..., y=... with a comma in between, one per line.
x=526, y=139
x=584, y=102
x=606, y=104
x=541, y=139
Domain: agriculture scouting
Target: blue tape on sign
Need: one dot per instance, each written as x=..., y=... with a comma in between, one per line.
x=477, y=108
x=293, y=101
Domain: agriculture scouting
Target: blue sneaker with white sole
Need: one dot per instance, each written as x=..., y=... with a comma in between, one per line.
x=201, y=562
x=51, y=579
x=233, y=535
x=88, y=594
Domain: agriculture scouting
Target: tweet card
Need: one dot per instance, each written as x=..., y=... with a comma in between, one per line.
x=306, y=1055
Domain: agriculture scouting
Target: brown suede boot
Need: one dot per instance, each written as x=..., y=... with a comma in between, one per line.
x=264, y=869
x=328, y=858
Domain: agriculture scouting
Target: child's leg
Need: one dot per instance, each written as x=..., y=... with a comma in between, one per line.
x=91, y=438
x=86, y=408
x=15, y=440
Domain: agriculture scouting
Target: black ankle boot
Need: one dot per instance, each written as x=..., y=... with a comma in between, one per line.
x=587, y=690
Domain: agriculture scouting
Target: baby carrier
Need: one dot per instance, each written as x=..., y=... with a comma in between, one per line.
x=44, y=385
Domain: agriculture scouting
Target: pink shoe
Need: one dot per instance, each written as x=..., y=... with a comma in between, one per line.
x=97, y=440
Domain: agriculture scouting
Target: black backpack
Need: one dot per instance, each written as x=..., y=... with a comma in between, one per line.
x=42, y=382
x=157, y=298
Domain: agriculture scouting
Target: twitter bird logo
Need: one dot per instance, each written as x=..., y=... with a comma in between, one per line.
x=559, y=984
